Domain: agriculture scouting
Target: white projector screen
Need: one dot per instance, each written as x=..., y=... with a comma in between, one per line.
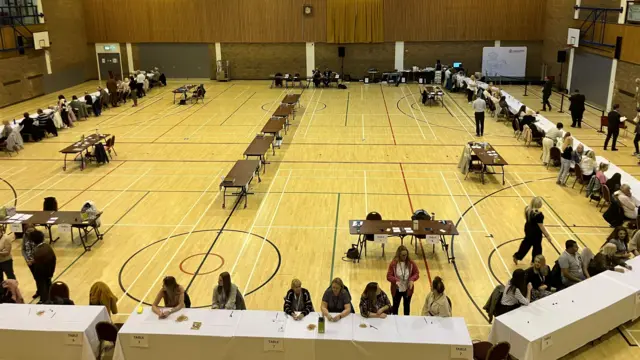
x=504, y=61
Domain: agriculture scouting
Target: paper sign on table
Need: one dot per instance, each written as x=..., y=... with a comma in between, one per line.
x=140, y=341
x=64, y=228
x=73, y=338
x=380, y=238
x=274, y=345
x=546, y=342
x=16, y=227
x=461, y=352
x=433, y=239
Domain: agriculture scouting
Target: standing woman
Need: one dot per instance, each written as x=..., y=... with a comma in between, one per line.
x=533, y=231
x=225, y=293
x=6, y=261
x=472, y=87
x=173, y=296
x=402, y=274
x=565, y=160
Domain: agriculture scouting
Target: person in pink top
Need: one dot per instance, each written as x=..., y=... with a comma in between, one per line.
x=402, y=274
x=602, y=168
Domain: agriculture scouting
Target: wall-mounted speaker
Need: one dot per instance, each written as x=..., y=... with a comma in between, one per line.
x=618, y=51
x=341, y=51
x=562, y=56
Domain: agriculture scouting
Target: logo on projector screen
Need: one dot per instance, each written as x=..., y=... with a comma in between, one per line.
x=512, y=51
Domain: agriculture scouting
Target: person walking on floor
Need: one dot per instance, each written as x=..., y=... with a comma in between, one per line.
x=479, y=106
x=6, y=261
x=44, y=264
x=613, y=128
x=577, y=108
x=533, y=231
x=402, y=274
x=546, y=93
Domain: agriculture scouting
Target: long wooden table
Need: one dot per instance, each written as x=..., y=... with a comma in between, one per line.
x=431, y=230
x=80, y=147
x=292, y=100
x=259, y=148
x=182, y=90
x=283, y=111
x=239, y=177
x=50, y=218
x=489, y=158
x=274, y=126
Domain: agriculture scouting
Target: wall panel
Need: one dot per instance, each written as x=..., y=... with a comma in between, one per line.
x=176, y=60
x=359, y=58
x=258, y=61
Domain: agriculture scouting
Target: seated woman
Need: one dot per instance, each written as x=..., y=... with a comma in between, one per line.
x=336, y=299
x=521, y=112
x=374, y=303
x=633, y=243
x=278, y=80
x=297, y=302
x=437, y=303
x=10, y=293
x=225, y=293
x=588, y=165
x=6, y=131
x=80, y=107
x=614, y=183
x=173, y=296
x=30, y=128
x=317, y=75
x=504, y=107
x=537, y=276
x=620, y=238
x=602, y=168
x=513, y=297
x=100, y=294
x=606, y=259
x=529, y=118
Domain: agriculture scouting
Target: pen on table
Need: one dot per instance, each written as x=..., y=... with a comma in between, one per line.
x=231, y=315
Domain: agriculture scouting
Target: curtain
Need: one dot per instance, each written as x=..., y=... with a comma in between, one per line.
x=355, y=21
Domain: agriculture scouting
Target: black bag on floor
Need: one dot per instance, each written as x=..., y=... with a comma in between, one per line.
x=352, y=253
x=342, y=86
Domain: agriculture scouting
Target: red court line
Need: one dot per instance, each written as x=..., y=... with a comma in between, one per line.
x=424, y=258
x=388, y=118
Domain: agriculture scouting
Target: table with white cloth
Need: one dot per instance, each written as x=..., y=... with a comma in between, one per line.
x=51, y=332
x=630, y=278
x=272, y=335
x=558, y=324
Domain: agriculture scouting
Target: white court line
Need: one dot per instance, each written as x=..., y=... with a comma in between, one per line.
x=35, y=187
x=526, y=204
x=125, y=190
x=164, y=243
x=253, y=225
x=313, y=94
x=630, y=334
x=484, y=227
x=313, y=114
x=154, y=119
x=550, y=212
x=243, y=91
x=406, y=98
x=462, y=111
x=266, y=236
x=38, y=194
x=362, y=92
x=261, y=121
x=363, y=127
x=366, y=201
x=112, y=121
x=457, y=118
x=421, y=112
x=493, y=284
x=190, y=136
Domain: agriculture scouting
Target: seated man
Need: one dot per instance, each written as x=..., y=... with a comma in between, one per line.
x=326, y=77
x=28, y=127
x=628, y=203
x=45, y=122
x=317, y=75
x=278, y=80
x=571, y=266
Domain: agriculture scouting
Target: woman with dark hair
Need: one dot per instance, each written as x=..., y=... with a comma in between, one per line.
x=402, y=274
x=614, y=183
x=64, y=113
x=224, y=294
x=29, y=126
x=620, y=238
x=437, y=303
x=374, y=303
x=173, y=296
x=513, y=297
x=336, y=299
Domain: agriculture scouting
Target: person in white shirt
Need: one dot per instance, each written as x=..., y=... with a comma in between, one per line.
x=140, y=83
x=627, y=201
x=479, y=105
x=588, y=165
x=472, y=88
x=513, y=296
x=550, y=138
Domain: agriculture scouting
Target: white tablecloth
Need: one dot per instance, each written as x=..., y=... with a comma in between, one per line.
x=630, y=278
x=273, y=335
x=62, y=332
x=558, y=324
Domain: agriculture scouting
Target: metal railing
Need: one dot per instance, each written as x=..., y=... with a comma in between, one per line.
x=14, y=15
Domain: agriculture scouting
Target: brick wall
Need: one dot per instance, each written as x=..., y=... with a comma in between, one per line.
x=626, y=76
x=258, y=61
x=359, y=58
x=558, y=18
x=67, y=33
x=21, y=68
x=424, y=54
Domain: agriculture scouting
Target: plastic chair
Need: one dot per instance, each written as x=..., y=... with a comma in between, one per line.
x=450, y=305
x=372, y=216
x=110, y=145
x=606, y=197
x=106, y=331
x=486, y=351
x=555, y=156
x=240, y=304
x=59, y=289
x=579, y=178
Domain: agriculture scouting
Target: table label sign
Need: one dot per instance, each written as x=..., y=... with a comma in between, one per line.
x=547, y=341
x=73, y=338
x=139, y=341
x=16, y=227
x=380, y=238
x=461, y=352
x=274, y=345
x=64, y=228
x=433, y=239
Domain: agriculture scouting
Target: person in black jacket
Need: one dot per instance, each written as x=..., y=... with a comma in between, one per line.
x=538, y=275
x=577, y=108
x=297, y=302
x=28, y=127
x=546, y=94
x=613, y=129
x=44, y=264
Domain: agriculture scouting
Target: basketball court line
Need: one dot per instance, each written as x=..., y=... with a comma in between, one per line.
x=153, y=120
x=266, y=236
x=313, y=114
x=38, y=194
x=419, y=108
x=164, y=243
x=464, y=221
x=264, y=116
x=125, y=190
x=457, y=118
x=384, y=100
x=415, y=117
x=366, y=200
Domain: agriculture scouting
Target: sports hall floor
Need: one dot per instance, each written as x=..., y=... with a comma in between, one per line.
x=347, y=153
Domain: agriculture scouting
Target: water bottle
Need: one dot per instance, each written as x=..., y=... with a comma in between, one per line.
x=416, y=225
x=321, y=325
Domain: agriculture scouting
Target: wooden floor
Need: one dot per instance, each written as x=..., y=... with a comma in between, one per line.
x=369, y=148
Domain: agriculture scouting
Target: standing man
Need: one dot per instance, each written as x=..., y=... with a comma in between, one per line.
x=140, y=84
x=613, y=128
x=546, y=93
x=577, y=108
x=112, y=86
x=479, y=105
x=44, y=264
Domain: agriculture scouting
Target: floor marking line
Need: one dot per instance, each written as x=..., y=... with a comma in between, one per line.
x=406, y=98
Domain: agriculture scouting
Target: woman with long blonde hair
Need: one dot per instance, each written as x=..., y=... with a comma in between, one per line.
x=565, y=160
x=533, y=231
x=538, y=275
